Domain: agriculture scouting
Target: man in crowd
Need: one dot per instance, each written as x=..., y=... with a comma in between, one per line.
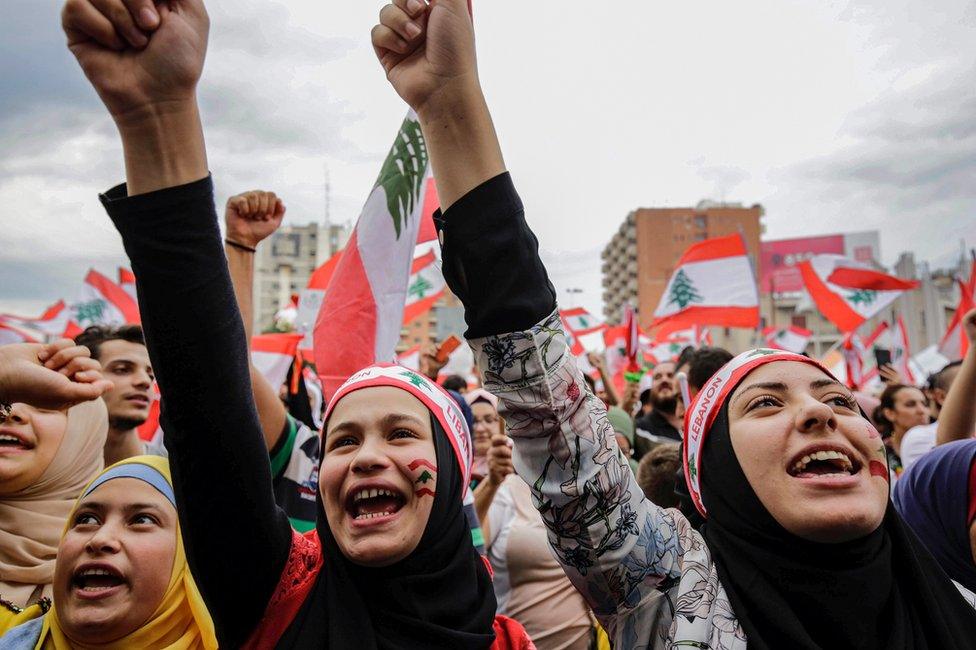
x=954, y=395
x=125, y=361
x=701, y=365
x=659, y=421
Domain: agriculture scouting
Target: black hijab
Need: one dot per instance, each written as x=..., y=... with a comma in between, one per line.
x=881, y=591
x=440, y=596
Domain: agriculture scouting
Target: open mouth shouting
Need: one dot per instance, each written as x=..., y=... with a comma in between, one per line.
x=94, y=581
x=374, y=503
x=824, y=462
x=11, y=441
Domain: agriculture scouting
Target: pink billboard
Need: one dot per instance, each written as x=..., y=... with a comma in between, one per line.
x=778, y=260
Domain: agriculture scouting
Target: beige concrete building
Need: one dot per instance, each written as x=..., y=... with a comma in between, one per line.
x=286, y=261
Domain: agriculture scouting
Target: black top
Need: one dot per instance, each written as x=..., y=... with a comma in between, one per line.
x=237, y=539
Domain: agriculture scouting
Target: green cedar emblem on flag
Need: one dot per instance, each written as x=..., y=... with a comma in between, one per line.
x=862, y=296
x=415, y=379
x=420, y=288
x=90, y=312
x=425, y=477
x=402, y=175
x=683, y=291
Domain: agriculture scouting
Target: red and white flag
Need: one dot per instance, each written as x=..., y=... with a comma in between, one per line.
x=633, y=329
x=127, y=280
x=410, y=358
x=274, y=354
x=425, y=288
x=580, y=321
x=615, y=349
x=574, y=343
x=955, y=344
x=51, y=324
x=853, y=351
x=713, y=284
x=11, y=334
x=362, y=312
x=102, y=302
x=848, y=293
x=791, y=339
x=150, y=430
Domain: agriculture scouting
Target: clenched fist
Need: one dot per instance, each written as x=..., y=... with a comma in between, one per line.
x=140, y=56
x=253, y=216
x=427, y=50
x=52, y=376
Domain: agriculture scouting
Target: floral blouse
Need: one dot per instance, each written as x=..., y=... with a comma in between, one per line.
x=647, y=574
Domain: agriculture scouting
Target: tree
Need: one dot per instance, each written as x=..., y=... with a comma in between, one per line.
x=862, y=296
x=683, y=291
x=402, y=175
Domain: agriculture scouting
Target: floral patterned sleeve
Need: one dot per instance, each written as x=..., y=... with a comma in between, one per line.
x=617, y=547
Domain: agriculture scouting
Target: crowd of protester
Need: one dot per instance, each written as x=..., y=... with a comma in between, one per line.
x=764, y=507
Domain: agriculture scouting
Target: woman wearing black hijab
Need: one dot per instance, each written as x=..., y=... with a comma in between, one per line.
x=391, y=563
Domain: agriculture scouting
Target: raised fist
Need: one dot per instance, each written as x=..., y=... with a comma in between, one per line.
x=427, y=50
x=139, y=56
x=53, y=376
x=253, y=216
x=499, y=458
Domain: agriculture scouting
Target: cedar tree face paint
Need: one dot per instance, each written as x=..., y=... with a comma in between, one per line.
x=425, y=483
x=378, y=443
x=804, y=447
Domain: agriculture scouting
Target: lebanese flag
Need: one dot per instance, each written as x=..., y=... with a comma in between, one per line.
x=52, y=323
x=713, y=284
x=150, y=430
x=127, y=280
x=615, y=349
x=11, y=334
x=362, y=312
x=102, y=302
x=580, y=321
x=900, y=352
x=633, y=348
x=574, y=343
x=848, y=293
x=274, y=354
x=426, y=286
x=410, y=358
x=791, y=339
x=955, y=344
x=853, y=351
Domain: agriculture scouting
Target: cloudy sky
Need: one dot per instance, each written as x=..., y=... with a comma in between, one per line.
x=835, y=116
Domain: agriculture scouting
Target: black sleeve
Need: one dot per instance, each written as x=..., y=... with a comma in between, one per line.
x=491, y=260
x=237, y=540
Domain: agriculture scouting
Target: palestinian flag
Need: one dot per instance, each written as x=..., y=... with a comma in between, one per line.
x=791, y=339
x=425, y=288
x=580, y=321
x=848, y=293
x=362, y=312
x=713, y=284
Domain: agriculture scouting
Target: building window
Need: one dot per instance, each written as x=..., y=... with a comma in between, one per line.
x=799, y=321
x=701, y=221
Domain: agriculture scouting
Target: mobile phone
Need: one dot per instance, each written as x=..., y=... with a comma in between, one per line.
x=882, y=357
x=449, y=345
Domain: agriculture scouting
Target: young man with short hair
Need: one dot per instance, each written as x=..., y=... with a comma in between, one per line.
x=125, y=362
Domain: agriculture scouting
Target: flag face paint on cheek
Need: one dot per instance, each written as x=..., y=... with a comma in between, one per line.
x=425, y=477
x=878, y=467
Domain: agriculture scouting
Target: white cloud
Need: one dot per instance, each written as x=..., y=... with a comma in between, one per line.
x=834, y=116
